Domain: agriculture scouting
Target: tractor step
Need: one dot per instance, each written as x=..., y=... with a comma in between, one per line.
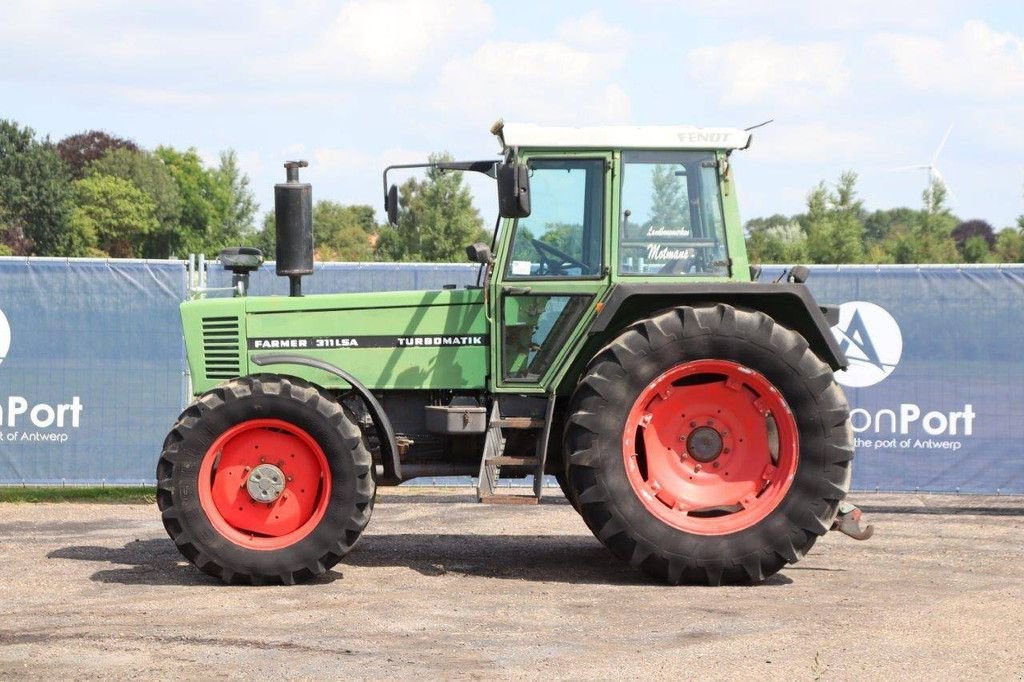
x=509, y=499
x=494, y=457
x=509, y=460
x=519, y=422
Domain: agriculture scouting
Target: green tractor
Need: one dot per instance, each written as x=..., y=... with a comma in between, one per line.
x=617, y=339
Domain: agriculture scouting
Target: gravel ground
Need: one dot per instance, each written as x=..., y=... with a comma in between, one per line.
x=443, y=587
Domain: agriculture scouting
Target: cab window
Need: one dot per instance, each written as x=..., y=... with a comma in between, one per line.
x=562, y=237
x=672, y=221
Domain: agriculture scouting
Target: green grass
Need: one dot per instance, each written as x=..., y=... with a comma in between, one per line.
x=104, y=495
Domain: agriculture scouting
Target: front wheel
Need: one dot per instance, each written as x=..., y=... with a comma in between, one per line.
x=708, y=445
x=265, y=479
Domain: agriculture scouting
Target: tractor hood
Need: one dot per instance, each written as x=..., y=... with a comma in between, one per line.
x=387, y=340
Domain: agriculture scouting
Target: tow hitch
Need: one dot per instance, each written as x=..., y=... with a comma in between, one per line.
x=848, y=522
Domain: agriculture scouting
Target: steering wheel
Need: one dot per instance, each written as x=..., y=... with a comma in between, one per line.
x=561, y=258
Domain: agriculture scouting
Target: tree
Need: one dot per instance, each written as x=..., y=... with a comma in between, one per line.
x=81, y=149
x=668, y=199
x=934, y=234
x=340, y=232
x=148, y=173
x=1010, y=244
x=785, y=243
x=976, y=250
x=240, y=203
x=112, y=214
x=835, y=231
x=973, y=228
x=35, y=193
x=343, y=233
x=878, y=224
x=436, y=219
x=205, y=198
x=761, y=224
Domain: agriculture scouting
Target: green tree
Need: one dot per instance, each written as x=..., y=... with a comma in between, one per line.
x=343, y=233
x=340, y=232
x=781, y=243
x=834, y=226
x=761, y=224
x=928, y=239
x=239, y=208
x=112, y=214
x=215, y=210
x=1010, y=244
x=668, y=199
x=144, y=170
x=265, y=238
x=934, y=234
x=878, y=224
x=35, y=194
x=976, y=250
x=436, y=219
x=81, y=149
x=200, y=197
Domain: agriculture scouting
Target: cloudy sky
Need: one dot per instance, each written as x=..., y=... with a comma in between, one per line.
x=353, y=86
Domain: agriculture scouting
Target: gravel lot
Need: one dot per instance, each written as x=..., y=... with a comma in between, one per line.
x=443, y=587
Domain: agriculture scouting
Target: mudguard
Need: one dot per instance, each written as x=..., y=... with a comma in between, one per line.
x=792, y=305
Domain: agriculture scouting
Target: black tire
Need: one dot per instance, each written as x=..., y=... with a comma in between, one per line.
x=563, y=482
x=604, y=396
x=265, y=397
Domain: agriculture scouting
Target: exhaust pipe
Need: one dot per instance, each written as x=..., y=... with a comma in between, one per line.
x=293, y=217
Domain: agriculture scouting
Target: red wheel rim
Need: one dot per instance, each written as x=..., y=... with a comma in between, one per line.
x=225, y=471
x=710, y=447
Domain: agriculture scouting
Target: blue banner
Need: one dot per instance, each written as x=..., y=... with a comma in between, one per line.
x=92, y=369
x=936, y=377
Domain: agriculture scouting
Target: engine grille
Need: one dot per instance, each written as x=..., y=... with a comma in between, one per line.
x=221, y=347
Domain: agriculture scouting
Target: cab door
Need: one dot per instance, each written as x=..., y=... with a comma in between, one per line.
x=551, y=269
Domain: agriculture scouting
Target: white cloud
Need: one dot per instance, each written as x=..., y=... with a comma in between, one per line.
x=389, y=40
x=544, y=81
x=592, y=30
x=978, y=61
x=814, y=16
x=765, y=71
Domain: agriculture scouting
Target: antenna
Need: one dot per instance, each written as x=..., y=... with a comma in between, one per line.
x=759, y=125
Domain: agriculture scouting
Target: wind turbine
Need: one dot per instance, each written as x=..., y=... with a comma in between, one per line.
x=934, y=174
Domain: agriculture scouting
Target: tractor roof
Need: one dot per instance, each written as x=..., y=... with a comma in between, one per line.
x=618, y=137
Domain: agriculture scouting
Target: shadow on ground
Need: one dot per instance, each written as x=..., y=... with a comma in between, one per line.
x=147, y=562
x=561, y=558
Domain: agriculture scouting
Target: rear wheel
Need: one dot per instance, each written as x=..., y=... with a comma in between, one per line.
x=709, y=445
x=265, y=479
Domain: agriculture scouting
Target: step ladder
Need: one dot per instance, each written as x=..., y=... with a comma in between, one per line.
x=495, y=457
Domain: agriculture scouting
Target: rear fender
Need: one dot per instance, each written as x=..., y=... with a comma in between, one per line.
x=791, y=305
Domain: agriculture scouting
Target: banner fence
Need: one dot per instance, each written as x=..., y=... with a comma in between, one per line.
x=93, y=372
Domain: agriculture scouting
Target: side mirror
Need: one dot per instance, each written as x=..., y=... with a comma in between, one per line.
x=392, y=205
x=479, y=253
x=513, y=190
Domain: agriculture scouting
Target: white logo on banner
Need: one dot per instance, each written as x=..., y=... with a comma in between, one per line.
x=5, y=336
x=872, y=341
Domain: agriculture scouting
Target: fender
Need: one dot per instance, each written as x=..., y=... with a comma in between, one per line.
x=390, y=458
x=789, y=304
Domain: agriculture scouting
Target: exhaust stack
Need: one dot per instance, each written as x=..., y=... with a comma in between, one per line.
x=293, y=214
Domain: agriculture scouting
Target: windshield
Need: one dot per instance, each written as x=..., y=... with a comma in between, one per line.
x=671, y=220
